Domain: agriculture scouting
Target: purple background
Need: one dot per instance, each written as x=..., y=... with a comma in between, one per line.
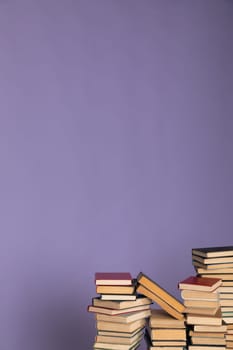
x=116, y=153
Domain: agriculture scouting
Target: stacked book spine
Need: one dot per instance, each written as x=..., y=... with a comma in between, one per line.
x=165, y=332
x=229, y=336
x=203, y=313
x=119, y=311
x=217, y=262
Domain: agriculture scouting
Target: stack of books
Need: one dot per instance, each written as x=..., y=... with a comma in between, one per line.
x=166, y=327
x=229, y=336
x=203, y=312
x=217, y=262
x=165, y=332
x=120, y=312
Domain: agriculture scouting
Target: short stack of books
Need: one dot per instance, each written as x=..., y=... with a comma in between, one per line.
x=166, y=327
x=120, y=313
x=165, y=332
x=217, y=262
x=203, y=312
x=229, y=336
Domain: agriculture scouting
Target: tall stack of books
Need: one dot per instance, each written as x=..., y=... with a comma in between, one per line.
x=217, y=262
x=165, y=332
x=203, y=312
x=120, y=313
x=166, y=327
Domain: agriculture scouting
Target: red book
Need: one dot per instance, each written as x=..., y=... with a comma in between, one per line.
x=113, y=278
x=206, y=284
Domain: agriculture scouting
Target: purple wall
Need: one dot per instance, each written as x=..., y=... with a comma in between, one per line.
x=116, y=153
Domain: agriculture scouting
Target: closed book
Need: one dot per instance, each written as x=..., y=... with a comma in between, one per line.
x=205, y=320
x=201, y=303
x=120, y=334
x=168, y=342
x=161, y=319
x=173, y=312
x=120, y=327
x=214, y=271
x=205, y=347
x=115, y=289
x=124, y=318
x=120, y=305
x=213, y=252
x=199, y=295
x=207, y=267
x=222, y=276
x=113, y=278
x=201, y=310
x=120, y=340
x=118, y=297
x=113, y=312
x=167, y=334
x=156, y=289
x=212, y=329
x=98, y=345
x=200, y=283
x=207, y=334
x=208, y=341
x=209, y=261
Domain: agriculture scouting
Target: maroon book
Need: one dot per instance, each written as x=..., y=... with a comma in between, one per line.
x=207, y=284
x=113, y=278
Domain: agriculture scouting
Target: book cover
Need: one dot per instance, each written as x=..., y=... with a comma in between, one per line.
x=161, y=319
x=200, y=283
x=156, y=289
x=113, y=278
x=119, y=305
x=113, y=312
x=212, y=252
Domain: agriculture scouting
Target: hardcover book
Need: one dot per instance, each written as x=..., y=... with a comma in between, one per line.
x=207, y=284
x=157, y=290
x=213, y=252
x=113, y=278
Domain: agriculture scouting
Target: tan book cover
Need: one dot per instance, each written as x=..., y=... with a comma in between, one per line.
x=156, y=289
x=167, y=334
x=124, y=318
x=120, y=305
x=169, y=309
x=115, y=289
x=120, y=327
x=161, y=319
x=114, y=312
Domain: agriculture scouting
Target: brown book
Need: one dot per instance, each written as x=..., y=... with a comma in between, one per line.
x=120, y=305
x=227, y=283
x=213, y=252
x=173, y=312
x=199, y=295
x=201, y=271
x=124, y=318
x=156, y=289
x=113, y=278
x=201, y=311
x=116, y=339
x=208, y=341
x=200, y=283
x=215, y=320
x=120, y=327
x=202, y=304
x=207, y=334
x=167, y=334
x=179, y=345
x=113, y=312
x=200, y=328
x=115, y=289
x=161, y=319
